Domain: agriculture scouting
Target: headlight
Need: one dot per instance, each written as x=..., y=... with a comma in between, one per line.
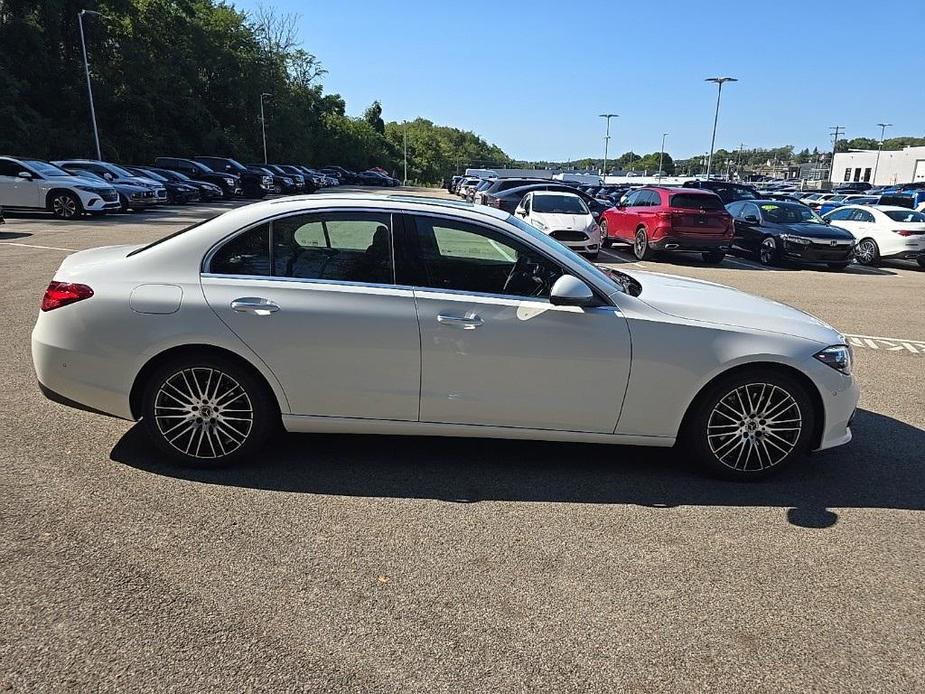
x=837, y=356
x=229, y=181
x=593, y=227
x=90, y=189
x=136, y=195
x=287, y=180
x=796, y=239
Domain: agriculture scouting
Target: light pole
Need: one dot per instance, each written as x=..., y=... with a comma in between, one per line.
x=405, y=139
x=719, y=81
x=83, y=45
x=883, y=127
x=607, y=117
x=263, y=124
x=661, y=156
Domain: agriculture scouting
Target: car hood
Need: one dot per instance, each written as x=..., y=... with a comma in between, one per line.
x=552, y=221
x=816, y=231
x=89, y=182
x=707, y=302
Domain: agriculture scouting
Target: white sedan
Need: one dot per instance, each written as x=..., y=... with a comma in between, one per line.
x=405, y=315
x=563, y=216
x=882, y=231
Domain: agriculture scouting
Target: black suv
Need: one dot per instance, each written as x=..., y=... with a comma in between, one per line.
x=255, y=185
x=728, y=192
x=229, y=183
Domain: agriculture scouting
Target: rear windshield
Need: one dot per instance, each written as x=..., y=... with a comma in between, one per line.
x=696, y=202
x=905, y=216
x=170, y=236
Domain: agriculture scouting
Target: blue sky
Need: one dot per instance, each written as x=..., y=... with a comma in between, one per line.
x=532, y=77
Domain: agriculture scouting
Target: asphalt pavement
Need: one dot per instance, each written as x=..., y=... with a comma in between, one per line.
x=385, y=564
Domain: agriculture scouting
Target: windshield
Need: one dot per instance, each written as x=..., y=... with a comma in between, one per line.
x=119, y=171
x=790, y=213
x=615, y=279
x=731, y=193
x=90, y=174
x=905, y=216
x=44, y=168
x=150, y=174
x=559, y=204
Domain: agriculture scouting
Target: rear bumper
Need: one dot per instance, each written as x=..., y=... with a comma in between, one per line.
x=687, y=243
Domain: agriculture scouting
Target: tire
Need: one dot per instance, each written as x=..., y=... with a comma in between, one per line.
x=867, y=252
x=713, y=257
x=605, y=242
x=277, y=189
x=213, y=434
x=123, y=202
x=641, y=248
x=64, y=205
x=838, y=266
x=921, y=260
x=731, y=443
x=768, y=253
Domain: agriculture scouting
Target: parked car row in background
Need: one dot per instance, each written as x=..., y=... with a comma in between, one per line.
x=71, y=187
x=713, y=218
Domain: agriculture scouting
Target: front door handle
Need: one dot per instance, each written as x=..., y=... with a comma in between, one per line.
x=470, y=322
x=255, y=305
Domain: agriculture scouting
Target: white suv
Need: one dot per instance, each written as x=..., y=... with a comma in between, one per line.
x=31, y=184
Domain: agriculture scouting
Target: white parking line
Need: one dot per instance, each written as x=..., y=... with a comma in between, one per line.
x=887, y=344
x=29, y=245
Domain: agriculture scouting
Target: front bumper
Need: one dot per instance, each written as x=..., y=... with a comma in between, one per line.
x=817, y=252
x=839, y=394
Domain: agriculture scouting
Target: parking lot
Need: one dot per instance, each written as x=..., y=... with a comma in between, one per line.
x=414, y=564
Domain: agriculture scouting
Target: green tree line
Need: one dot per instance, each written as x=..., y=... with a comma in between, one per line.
x=185, y=77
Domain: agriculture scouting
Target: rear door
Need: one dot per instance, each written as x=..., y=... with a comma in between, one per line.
x=314, y=296
x=494, y=351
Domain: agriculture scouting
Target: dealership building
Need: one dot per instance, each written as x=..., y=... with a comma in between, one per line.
x=895, y=167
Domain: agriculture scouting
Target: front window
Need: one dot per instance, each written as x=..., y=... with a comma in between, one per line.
x=790, y=213
x=559, y=204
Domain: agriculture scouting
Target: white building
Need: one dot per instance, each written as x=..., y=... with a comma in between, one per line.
x=895, y=167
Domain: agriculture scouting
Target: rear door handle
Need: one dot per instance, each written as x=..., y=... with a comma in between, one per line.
x=470, y=322
x=255, y=305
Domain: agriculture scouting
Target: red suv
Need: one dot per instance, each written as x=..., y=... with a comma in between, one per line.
x=670, y=219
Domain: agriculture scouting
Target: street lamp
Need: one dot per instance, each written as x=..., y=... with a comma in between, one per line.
x=661, y=156
x=263, y=124
x=719, y=81
x=883, y=127
x=607, y=117
x=405, y=139
x=83, y=45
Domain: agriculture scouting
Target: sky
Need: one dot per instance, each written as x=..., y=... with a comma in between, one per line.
x=533, y=77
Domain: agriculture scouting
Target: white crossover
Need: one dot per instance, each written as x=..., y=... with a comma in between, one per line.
x=882, y=231
x=563, y=216
x=415, y=316
x=32, y=184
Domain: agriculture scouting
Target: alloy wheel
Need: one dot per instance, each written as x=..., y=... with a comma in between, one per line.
x=203, y=412
x=640, y=244
x=768, y=252
x=64, y=206
x=754, y=427
x=866, y=251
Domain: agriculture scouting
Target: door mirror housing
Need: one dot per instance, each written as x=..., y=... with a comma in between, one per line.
x=571, y=291
x=751, y=219
x=25, y=174
x=108, y=176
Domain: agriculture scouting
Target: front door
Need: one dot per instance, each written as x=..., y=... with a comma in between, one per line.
x=494, y=351
x=314, y=296
x=16, y=191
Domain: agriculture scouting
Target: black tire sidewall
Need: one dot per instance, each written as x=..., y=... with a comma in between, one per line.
x=694, y=434
x=266, y=413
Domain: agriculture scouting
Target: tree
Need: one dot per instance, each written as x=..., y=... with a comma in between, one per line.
x=373, y=116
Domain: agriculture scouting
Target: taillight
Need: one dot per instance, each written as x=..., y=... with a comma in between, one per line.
x=907, y=232
x=61, y=294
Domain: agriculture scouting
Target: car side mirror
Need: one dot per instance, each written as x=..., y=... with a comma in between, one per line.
x=108, y=176
x=571, y=291
x=25, y=174
x=751, y=219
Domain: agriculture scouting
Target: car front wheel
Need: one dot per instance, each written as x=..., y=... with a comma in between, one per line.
x=921, y=260
x=65, y=205
x=750, y=424
x=605, y=241
x=767, y=253
x=207, y=411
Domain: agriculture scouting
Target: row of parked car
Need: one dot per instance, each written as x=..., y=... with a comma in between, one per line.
x=71, y=187
x=711, y=218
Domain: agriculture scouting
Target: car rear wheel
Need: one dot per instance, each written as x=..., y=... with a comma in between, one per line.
x=750, y=424
x=641, y=248
x=767, y=253
x=921, y=260
x=65, y=205
x=713, y=257
x=207, y=411
x=867, y=252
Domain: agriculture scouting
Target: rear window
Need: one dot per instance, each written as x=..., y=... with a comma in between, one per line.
x=170, y=236
x=696, y=202
x=905, y=216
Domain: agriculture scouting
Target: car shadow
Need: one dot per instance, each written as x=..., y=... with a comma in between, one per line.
x=882, y=468
x=6, y=235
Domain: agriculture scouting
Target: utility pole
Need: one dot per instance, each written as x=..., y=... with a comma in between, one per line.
x=661, y=156
x=835, y=131
x=83, y=45
x=405, y=138
x=607, y=117
x=263, y=126
x=719, y=81
x=883, y=127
